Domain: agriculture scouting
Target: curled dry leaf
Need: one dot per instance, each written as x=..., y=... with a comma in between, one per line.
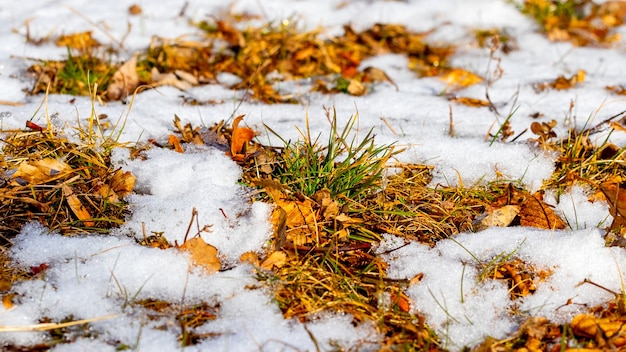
x=472, y=102
x=561, y=82
x=125, y=80
x=240, y=138
x=616, y=197
x=172, y=79
x=373, y=74
x=40, y=171
x=77, y=206
x=122, y=182
x=175, y=142
x=501, y=217
x=202, y=254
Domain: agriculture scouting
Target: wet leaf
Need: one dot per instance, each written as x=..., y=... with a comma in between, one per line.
x=202, y=254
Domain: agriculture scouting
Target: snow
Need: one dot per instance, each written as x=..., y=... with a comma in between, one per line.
x=100, y=275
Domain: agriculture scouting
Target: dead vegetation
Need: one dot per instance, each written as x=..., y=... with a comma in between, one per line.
x=322, y=256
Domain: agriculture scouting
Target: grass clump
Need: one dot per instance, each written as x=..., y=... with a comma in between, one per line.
x=345, y=166
x=582, y=22
x=68, y=184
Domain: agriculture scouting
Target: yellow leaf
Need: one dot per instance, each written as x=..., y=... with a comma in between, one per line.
x=81, y=41
x=202, y=254
x=122, y=182
x=276, y=260
x=77, y=206
x=356, y=88
x=41, y=171
x=460, y=78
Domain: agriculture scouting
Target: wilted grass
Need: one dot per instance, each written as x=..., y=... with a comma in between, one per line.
x=584, y=159
x=65, y=182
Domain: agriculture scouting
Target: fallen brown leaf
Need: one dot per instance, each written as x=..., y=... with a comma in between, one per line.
x=202, y=254
x=125, y=80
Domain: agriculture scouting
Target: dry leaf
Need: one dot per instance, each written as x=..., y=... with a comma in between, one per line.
x=561, y=82
x=501, y=217
x=122, y=182
x=356, y=88
x=402, y=301
x=606, y=331
x=473, y=102
x=135, y=10
x=535, y=213
x=616, y=197
x=7, y=300
x=460, y=78
x=202, y=254
x=125, y=80
x=40, y=171
x=249, y=257
x=544, y=129
x=175, y=142
x=77, y=206
x=240, y=138
x=373, y=74
x=276, y=260
x=168, y=79
x=80, y=41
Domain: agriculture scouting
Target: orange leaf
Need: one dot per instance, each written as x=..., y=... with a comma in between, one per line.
x=240, y=138
x=535, y=213
x=77, y=206
x=473, y=102
x=402, y=300
x=202, y=254
x=175, y=142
